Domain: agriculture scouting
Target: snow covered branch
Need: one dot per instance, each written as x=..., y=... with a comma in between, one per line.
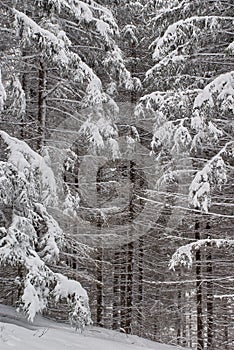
x=88, y=12
x=54, y=45
x=214, y=174
x=28, y=162
x=219, y=93
x=115, y=63
x=184, y=255
x=181, y=34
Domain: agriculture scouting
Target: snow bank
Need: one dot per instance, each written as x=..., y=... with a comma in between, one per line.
x=16, y=333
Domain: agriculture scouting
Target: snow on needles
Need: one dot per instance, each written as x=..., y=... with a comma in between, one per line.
x=221, y=90
x=184, y=255
x=25, y=160
x=213, y=173
x=177, y=34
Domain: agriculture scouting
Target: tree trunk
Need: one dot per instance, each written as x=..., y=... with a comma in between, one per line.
x=41, y=105
x=200, y=340
x=123, y=289
x=116, y=291
x=130, y=258
x=99, y=287
x=129, y=291
x=210, y=297
x=140, y=282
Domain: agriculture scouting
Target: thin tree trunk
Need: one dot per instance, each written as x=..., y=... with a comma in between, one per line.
x=123, y=289
x=129, y=291
x=210, y=298
x=41, y=105
x=200, y=340
x=179, y=329
x=99, y=288
x=116, y=291
x=130, y=259
x=140, y=282
x=25, y=88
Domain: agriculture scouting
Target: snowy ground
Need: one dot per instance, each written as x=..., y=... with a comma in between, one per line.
x=17, y=334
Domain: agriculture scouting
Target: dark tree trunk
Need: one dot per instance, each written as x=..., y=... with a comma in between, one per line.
x=116, y=291
x=210, y=297
x=130, y=257
x=200, y=340
x=123, y=288
x=129, y=291
x=99, y=287
x=41, y=105
x=140, y=282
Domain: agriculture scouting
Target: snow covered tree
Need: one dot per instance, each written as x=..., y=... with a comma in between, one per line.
x=193, y=108
x=62, y=51
x=30, y=240
x=66, y=64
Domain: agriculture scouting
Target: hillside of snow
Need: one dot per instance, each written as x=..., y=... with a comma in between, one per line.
x=17, y=334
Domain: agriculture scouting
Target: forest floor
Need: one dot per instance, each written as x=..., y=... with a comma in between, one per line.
x=17, y=334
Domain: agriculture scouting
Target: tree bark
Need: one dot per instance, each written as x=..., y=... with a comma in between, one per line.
x=130, y=258
x=200, y=340
x=140, y=282
x=123, y=289
x=210, y=297
x=99, y=288
x=129, y=291
x=116, y=291
x=41, y=105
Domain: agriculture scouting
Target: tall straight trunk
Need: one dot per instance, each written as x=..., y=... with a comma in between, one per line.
x=99, y=287
x=116, y=291
x=129, y=289
x=130, y=259
x=199, y=297
x=181, y=330
x=41, y=105
x=123, y=285
x=210, y=297
x=25, y=87
x=140, y=281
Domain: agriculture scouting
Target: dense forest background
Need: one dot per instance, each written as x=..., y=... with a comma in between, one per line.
x=116, y=170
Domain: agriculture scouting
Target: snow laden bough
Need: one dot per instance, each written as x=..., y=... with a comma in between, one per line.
x=30, y=239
